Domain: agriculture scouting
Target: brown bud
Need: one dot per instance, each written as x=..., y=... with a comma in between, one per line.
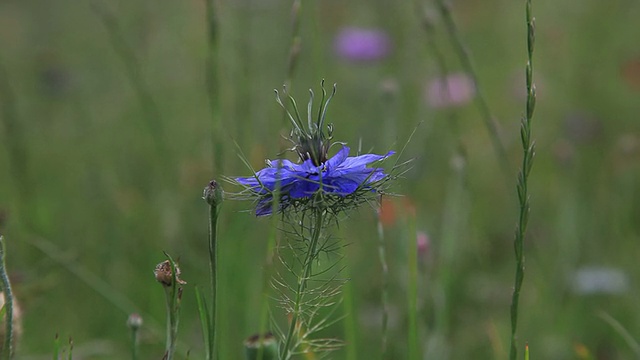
x=164, y=275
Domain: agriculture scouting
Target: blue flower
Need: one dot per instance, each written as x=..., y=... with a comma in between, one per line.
x=339, y=176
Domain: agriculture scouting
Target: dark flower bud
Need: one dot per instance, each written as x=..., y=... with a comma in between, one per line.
x=213, y=193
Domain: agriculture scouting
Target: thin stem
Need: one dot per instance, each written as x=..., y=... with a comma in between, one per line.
x=173, y=294
x=213, y=262
x=414, y=352
x=7, y=350
x=385, y=287
x=481, y=102
x=134, y=343
x=213, y=195
x=528, y=148
x=316, y=230
x=171, y=328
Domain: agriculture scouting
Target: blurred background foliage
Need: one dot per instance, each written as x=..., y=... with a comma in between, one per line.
x=106, y=142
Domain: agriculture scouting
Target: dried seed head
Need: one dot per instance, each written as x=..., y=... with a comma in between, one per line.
x=164, y=275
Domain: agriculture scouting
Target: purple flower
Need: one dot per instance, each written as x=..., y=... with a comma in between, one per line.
x=339, y=176
x=450, y=91
x=357, y=44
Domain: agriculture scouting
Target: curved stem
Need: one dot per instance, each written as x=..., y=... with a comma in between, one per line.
x=481, y=102
x=316, y=230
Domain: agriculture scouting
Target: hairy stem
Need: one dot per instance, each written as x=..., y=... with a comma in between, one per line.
x=7, y=350
x=528, y=147
x=311, y=254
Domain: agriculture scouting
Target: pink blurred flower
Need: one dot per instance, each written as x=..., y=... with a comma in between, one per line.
x=423, y=244
x=452, y=90
x=361, y=44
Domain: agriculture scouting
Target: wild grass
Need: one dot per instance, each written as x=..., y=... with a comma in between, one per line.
x=81, y=170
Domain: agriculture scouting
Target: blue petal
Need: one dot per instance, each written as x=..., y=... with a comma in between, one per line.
x=362, y=160
x=337, y=159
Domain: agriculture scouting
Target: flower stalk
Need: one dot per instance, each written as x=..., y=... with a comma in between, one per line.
x=310, y=256
x=213, y=195
x=134, y=322
x=167, y=273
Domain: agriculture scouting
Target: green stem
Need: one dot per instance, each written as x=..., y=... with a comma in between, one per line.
x=134, y=344
x=213, y=262
x=213, y=195
x=171, y=328
x=173, y=294
x=316, y=229
x=7, y=351
x=528, y=147
x=385, y=288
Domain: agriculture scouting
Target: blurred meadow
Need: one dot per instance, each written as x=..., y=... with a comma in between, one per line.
x=108, y=138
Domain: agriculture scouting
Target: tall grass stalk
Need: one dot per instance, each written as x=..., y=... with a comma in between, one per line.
x=14, y=138
x=213, y=82
x=152, y=114
x=382, y=256
x=296, y=42
x=483, y=106
x=294, y=49
x=528, y=147
x=7, y=349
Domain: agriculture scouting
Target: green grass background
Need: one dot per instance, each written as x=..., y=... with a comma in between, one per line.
x=95, y=183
